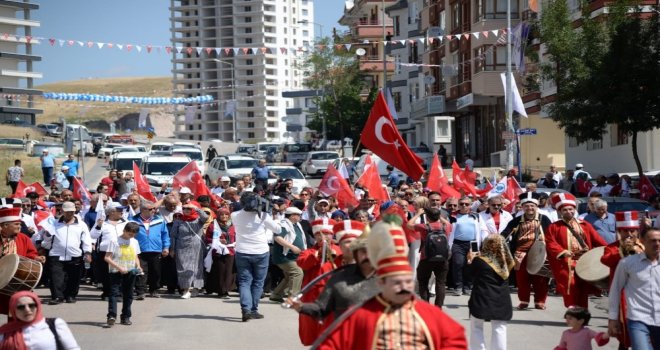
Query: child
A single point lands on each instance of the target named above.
(578, 337)
(124, 265)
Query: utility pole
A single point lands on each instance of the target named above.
(384, 46)
(508, 91)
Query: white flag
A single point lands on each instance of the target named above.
(142, 120)
(100, 211)
(499, 189)
(390, 103)
(518, 104)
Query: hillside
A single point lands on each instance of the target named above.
(73, 111)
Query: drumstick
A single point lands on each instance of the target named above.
(570, 275)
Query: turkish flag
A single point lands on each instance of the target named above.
(438, 181)
(370, 180)
(334, 184)
(513, 190)
(142, 185)
(22, 190)
(39, 216)
(482, 192)
(39, 188)
(646, 188)
(190, 176)
(80, 191)
(381, 136)
(461, 182)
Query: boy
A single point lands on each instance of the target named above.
(124, 265)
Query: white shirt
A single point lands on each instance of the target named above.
(66, 241)
(38, 336)
(557, 177)
(640, 278)
(551, 213)
(251, 231)
(487, 224)
(604, 190)
(108, 233)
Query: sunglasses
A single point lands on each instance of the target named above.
(24, 307)
(149, 209)
(304, 194)
(464, 204)
(496, 205)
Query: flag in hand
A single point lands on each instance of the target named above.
(438, 181)
(22, 189)
(190, 176)
(142, 185)
(646, 188)
(513, 190)
(381, 136)
(370, 181)
(489, 187)
(80, 192)
(334, 184)
(460, 180)
(39, 188)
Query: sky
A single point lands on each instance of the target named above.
(136, 22)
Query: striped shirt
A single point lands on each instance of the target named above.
(400, 328)
(640, 278)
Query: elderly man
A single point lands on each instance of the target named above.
(154, 240)
(261, 173)
(602, 186)
(221, 186)
(548, 181)
(288, 244)
(602, 221)
(464, 230)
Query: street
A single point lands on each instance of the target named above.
(204, 322)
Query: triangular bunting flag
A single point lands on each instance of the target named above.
(338, 46)
(485, 33)
(348, 47)
(149, 47)
(52, 42)
(457, 36)
(422, 41)
(110, 45)
(466, 35)
(283, 50)
(100, 45)
(235, 49)
(138, 48)
(70, 42)
(129, 47)
(189, 50)
(199, 51)
(402, 42)
(476, 35)
(208, 51)
(264, 50)
(245, 50)
(28, 38)
(120, 46)
(81, 44)
(430, 40)
(90, 44)
(168, 49)
(495, 31)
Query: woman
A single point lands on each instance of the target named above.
(188, 248)
(221, 277)
(490, 299)
(28, 329)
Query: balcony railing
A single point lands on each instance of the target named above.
(429, 105)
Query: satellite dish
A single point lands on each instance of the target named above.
(360, 51)
(429, 79)
(434, 31)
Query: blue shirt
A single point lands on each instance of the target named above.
(393, 180)
(465, 228)
(261, 173)
(73, 166)
(47, 161)
(606, 227)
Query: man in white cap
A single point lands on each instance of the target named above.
(61, 181)
(222, 184)
(395, 314)
(289, 243)
(578, 171)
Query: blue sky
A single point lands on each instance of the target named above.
(140, 22)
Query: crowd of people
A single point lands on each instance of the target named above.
(346, 271)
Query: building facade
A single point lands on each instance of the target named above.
(253, 50)
(16, 63)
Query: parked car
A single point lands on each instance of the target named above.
(296, 152)
(615, 204)
(248, 150)
(289, 172)
(124, 161)
(262, 147)
(118, 150)
(184, 144)
(11, 143)
(160, 170)
(106, 150)
(195, 154)
(162, 148)
(234, 166)
(50, 130)
(274, 154)
(317, 162)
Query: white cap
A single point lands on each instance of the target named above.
(185, 190)
(579, 165)
(225, 178)
(68, 206)
(64, 167)
(292, 210)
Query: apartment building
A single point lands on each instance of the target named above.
(16, 63)
(254, 46)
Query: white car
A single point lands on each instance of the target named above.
(161, 148)
(117, 150)
(234, 166)
(192, 153)
(289, 172)
(159, 170)
(106, 150)
(184, 144)
(317, 162)
(124, 161)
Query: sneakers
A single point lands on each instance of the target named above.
(126, 321)
(56, 301)
(154, 294)
(256, 315)
(139, 297)
(111, 321)
(246, 316)
(186, 295)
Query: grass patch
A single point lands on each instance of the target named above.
(31, 165)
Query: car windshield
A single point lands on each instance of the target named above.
(120, 150)
(264, 147)
(325, 156)
(298, 148)
(126, 163)
(161, 147)
(163, 168)
(288, 173)
(241, 163)
(192, 154)
(242, 149)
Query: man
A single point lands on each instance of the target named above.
(578, 171)
(14, 242)
(73, 165)
(546, 208)
(67, 243)
(261, 173)
(211, 153)
(602, 186)
(523, 232)
(104, 233)
(61, 179)
(602, 221)
(620, 187)
(221, 186)
(548, 181)
(170, 205)
(556, 174)
(394, 314)
(438, 266)
(247, 181)
(566, 240)
(14, 175)
(567, 182)
(627, 226)
(638, 276)
(493, 220)
(392, 178)
(47, 166)
(154, 240)
(468, 162)
(252, 252)
(321, 209)
(289, 243)
(133, 205)
(464, 230)
(66, 196)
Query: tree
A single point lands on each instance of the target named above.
(335, 71)
(606, 71)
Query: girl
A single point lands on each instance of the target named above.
(578, 337)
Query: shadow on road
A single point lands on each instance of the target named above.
(203, 317)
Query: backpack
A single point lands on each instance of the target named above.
(51, 324)
(436, 245)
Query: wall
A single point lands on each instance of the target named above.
(547, 145)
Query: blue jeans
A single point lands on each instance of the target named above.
(252, 269)
(642, 336)
(121, 286)
(48, 175)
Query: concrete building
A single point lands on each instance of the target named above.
(303, 108)
(253, 47)
(16, 63)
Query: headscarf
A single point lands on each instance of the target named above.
(495, 252)
(13, 330)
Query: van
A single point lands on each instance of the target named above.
(262, 148)
(75, 132)
(233, 166)
(161, 170)
(124, 161)
(296, 152)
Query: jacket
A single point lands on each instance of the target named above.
(68, 240)
(152, 236)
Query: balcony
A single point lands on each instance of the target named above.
(375, 64)
(427, 106)
(365, 29)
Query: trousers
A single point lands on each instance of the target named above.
(64, 277)
(477, 339)
(538, 283)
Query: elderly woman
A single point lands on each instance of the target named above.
(28, 329)
(221, 277)
(103, 233)
(490, 299)
(188, 248)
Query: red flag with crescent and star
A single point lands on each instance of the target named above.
(333, 184)
(438, 181)
(80, 192)
(461, 182)
(190, 176)
(22, 189)
(646, 188)
(381, 136)
(370, 181)
(39, 188)
(142, 185)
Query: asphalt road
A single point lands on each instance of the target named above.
(207, 322)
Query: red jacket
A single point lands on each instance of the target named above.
(556, 239)
(358, 330)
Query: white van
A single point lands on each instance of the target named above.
(160, 170)
(262, 148)
(382, 167)
(75, 131)
(124, 161)
(195, 154)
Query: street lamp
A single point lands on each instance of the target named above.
(233, 97)
(304, 21)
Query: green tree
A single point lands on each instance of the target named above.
(336, 73)
(606, 71)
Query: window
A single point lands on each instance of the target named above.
(617, 137)
(250, 103)
(488, 59)
(250, 135)
(397, 101)
(247, 8)
(305, 12)
(248, 19)
(250, 114)
(248, 40)
(455, 16)
(493, 9)
(397, 26)
(250, 92)
(594, 144)
(249, 61)
(270, 124)
(248, 30)
(305, 33)
(250, 125)
(270, 113)
(442, 128)
(249, 72)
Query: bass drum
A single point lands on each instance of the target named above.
(590, 269)
(537, 260)
(18, 273)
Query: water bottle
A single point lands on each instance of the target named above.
(87, 265)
